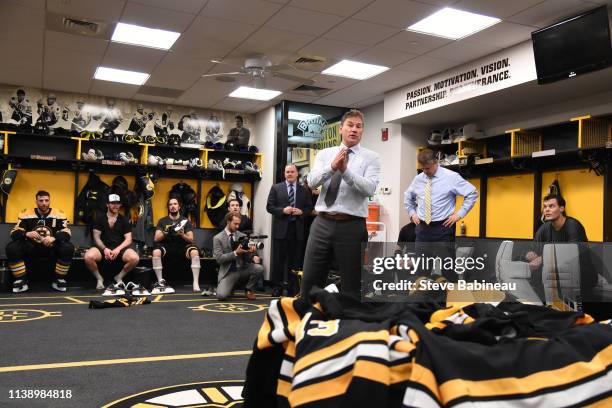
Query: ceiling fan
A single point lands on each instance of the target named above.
(259, 67)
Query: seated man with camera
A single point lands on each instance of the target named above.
(174, 238)
(237, 259)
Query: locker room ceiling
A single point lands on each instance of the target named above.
(37, 54)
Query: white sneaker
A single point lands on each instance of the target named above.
(20, 285)
(59, 285)
(137, 290)
(161, 288)
(118, 289)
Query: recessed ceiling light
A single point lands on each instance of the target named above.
(120, 75)
(254, 93)
(452, 23)
(354, 69)
(301, 115)
(144, 36)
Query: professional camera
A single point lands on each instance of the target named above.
(249, 240)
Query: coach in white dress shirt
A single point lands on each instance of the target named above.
(348, 175)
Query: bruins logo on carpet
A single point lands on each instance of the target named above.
(229, 307)
(218, 394)
(24, 315)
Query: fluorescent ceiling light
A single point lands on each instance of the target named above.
(254, 93)
(301, 115)
(144, 36)
(354, 70)
(452, 23)
(120, 75)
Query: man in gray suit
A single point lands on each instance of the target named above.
(236, 264)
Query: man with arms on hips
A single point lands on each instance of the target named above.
(174, 240)
(41, 232)
(430, 201)
(112, 236)
(236, 264)
(348, 174)
(289, 203)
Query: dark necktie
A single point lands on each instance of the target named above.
(291, 200)
(334, 185)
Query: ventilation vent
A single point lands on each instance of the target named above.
(311, 89)
(157, 91)
(81, 26)
(309, 60)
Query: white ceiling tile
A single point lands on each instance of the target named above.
(303, 21)
(332, 49)
(61, 74)
(392, 79)
(92, 10)
(382, 56)
(463, 51)
(236, 104)
(13, 19)
(187, 6)
(342, 8)
(174, 77)
(77, 43)
(369, 101)
(413, 43)
(442, 3)
(277, 1)
(209, 35)
(35, 4)
(426, 65)
(361, 32)
(206, 92)
(549, 12)
(273, 41)
(156, 99)
(298, 97)
(396, 13)
(132, 58)
(260, 107)
(350, 95)
(154, 17)
(114, 89)
(500, 9)
(189, 60)
(333, 82)
(503, 35)
(277, 84)
(25, 65)
(243, 11)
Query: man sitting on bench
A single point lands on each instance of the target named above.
(112, 236)
(174, 239)
(40, 232)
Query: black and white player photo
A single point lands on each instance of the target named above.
(190, 125)
(140, 120)
(111, 116)
(163, 123)
(239, 135)
(79, 117)
(213, 129)
(49, 111)
(22, 110)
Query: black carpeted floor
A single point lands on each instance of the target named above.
(170, 339)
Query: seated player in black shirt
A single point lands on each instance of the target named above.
(246, 224)
(112, 236)
(557, 227)
(40, 232)
(174, 239)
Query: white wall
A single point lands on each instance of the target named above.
(266, 142)
(398, 164)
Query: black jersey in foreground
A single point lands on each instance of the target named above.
(335, 352)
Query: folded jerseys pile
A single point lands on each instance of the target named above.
(334, 351)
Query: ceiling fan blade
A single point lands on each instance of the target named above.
(295, 78)
(214, 61)
(223, 73)
(281, 67)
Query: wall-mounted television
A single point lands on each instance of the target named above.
(573, 47)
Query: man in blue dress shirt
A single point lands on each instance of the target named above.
(430, 201)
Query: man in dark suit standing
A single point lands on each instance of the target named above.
(289, 203)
